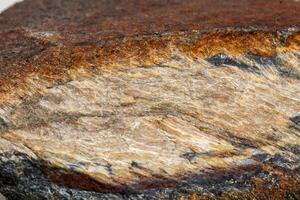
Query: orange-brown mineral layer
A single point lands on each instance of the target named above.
(26, 56)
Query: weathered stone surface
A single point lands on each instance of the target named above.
(150, 100)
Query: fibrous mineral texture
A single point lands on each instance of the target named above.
(150, 99)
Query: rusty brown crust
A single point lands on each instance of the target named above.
(93, 20)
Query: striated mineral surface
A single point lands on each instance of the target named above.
(161, 99)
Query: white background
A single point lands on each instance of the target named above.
(4, 4)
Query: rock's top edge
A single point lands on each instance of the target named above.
(94, 20)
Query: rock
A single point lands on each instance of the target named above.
(150, 100)
(2, 197)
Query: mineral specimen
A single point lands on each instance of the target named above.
(161, 99)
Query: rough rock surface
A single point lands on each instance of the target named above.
(150, 99)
